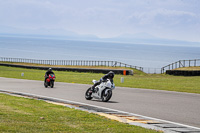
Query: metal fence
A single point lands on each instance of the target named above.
(71, 62)
(181, 63)
(178, 64)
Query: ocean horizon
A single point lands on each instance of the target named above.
(142, 55)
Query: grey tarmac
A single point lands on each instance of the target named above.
(183, 108)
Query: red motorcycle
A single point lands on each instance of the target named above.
(50, 81)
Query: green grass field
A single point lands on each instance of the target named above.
(22, 115)
(139, 80)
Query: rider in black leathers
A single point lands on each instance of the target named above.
(49, 71)
(109, 76)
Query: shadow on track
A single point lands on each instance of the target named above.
(96, 100)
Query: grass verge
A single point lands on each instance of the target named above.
(139, 80)
(197, 68)
(24, 115)
(65, 66)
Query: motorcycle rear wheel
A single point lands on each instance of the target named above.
(45, 85)
(88, 95)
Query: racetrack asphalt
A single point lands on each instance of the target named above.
(177, 107)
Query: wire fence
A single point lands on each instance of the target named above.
(152, 70)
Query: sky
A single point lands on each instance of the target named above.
(170, 19)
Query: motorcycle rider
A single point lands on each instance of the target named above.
(49, 71)
(110, 75)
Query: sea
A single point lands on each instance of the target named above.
(143, 55)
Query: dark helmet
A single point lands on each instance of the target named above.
(111, 74)
(50, 69)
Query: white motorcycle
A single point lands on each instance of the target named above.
(102, 91)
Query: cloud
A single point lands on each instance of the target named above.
(150, 17)
(103, 18)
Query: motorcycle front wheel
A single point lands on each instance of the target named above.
(88, 95)
(51, 84)
(106, 96)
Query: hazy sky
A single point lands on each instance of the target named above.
(173, 19)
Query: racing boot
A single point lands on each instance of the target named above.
(91, 90)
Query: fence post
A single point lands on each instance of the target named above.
(189, 63)
(184, 63)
